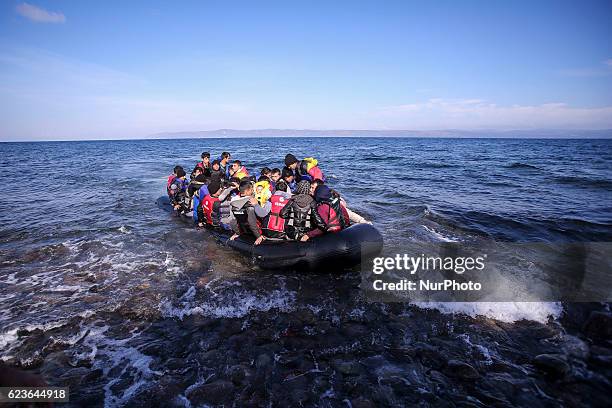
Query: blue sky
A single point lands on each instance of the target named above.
(81, 70)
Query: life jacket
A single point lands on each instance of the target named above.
(169, 183)
(308, 170)
(300, 215)
(262, 192)
(208, 205)
(274, 224)
(336, 219)
(242, 218)
(241, 173)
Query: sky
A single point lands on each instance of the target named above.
(117, 69)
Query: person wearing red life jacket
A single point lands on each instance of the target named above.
(329, 213)
(171, 178)
(268, 214)
(209, 206)
(306, 169)
(204, 165)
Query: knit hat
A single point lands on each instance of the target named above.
(214, 186)
(303, 187)
(322, 193)
(290, 159)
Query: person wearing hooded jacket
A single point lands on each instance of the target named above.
(329, 213)
(306, 169)
(298, 212)
(245, 220)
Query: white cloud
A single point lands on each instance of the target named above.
(39, 15)
(479, 114)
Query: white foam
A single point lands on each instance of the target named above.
(239, 304)
(439, 236)
(502, 311)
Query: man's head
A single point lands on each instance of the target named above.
(287, 175)
(322, 193)
(245, 188)
(236, 165)
(275, 174)
(197, 171)
(205, 157)
(177, 168)
(214, 188)
(180, 173)
(291, 161)
(215, 165)
(266, 172)
(263, 178)
(314, 185)
(225, 156)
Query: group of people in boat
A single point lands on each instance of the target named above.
(292, 203)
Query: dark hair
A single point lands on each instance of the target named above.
(177, 168)
(200, 178)
(213, 187)
(180, 173)
(318, 182)
(238, 162)
(263, 178)
(282, 186)
(244, 186)
(287, 172)
(234, 180)
(216, 161)
(205, 154)
(265, 171)
(275, 171)
(198, 168)
(290, 159)
(225, 155)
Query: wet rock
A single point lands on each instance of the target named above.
(347, 367)
(362, 403)
(216, 392)
(599, 326)
(575, 347)
(263, 361)
(94, 288)
(552, 364)
(460, 369)
(355, 331)
(72, 378)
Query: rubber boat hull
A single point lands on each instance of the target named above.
(344, 249)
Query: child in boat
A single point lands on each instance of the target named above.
(204, 165)
(238, 170)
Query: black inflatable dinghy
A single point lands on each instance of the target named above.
(343, 249)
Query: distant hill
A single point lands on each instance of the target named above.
(450, 133)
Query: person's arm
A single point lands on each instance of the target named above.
(234, 224)
(260, 211)
(226, 192)
(252, 220)
(318, 217)
(287, 209)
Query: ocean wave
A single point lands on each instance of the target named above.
(520, 165)
(503, 311)
(585, 182)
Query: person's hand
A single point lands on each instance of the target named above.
(233, 237)
(200, 224)
(304, 238)
(176, 206)
(260, 240)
